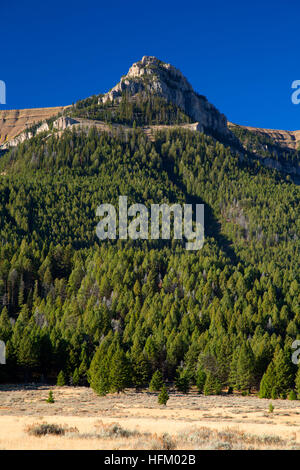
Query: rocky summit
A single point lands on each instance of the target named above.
(151, 75)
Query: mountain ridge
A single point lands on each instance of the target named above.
(147, 76)
(285, 138)
(15, 121)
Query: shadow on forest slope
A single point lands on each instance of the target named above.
(212, 226)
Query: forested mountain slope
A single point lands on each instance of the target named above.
(111, 313)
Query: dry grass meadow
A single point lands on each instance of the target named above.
(79, 419)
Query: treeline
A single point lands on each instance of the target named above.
(116, 315)
(144, 109)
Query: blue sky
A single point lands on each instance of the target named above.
(243, 56)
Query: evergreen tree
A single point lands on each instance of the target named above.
(233, 375)
(5, 325)
(98, 374)
(156, 382)
(275, 392)
(100, 383)
(76, 377)
(119, 374)
(283, 372)
(245, 368)
(182, 381)
(84, 365)
(50, 398)
(292, 395)
(140, 372)
(61, 380)
(268, 382)
(200, 378)
(163, 396)
(212, 385)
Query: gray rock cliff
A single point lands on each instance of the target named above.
(151, 75)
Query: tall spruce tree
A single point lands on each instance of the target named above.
(200, 378)
(182, 381)
(245, 368)
(61, 380)
(120, 373)
(212, 385)
(283, 372)
(156, 382)
(268, 382)
(163, 397)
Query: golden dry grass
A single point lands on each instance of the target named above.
(187, 422)
(15, 121)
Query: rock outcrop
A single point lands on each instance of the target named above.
(16, 121)
(63, 122)
(44, 127)
(285, 139)
(151, 75)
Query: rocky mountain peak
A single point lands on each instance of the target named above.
(150, 65)
(151, 75)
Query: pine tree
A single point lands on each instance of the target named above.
(119, 375)
(83, 368)
(182, 381)
(140, 372)
(163, 397)
(278, 378)
(233, 375)
(21, 292)
(98, 373)
(156, 381)
(224, 356)
(36, 291)
(76, 377)
(200, 378)
(61, 380)
(100, 383)
(267, 382)
(50, 398)
(5, 326)
(137, 288)
(212, 385)
(275, 393)
(283, 372)
(245, 368)
(29, 352)
(292, 395)
(47, 279)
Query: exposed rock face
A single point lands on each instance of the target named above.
(42, 128)
(17, 140)
(284, 142)
(154, 76)
(64, 122)
(14, 122)
(25, 136)
(288, 139)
